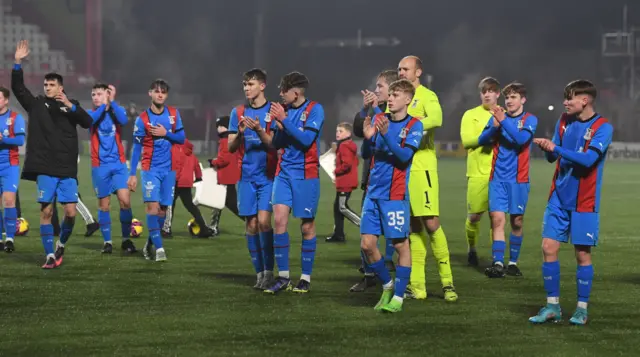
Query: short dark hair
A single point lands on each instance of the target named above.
(489, 84)
(515, 87)
(258, 74)
(404, 86)
(5, 92)
(389, 75)
(159, 84)
(54, 77)
(100, 85)
(578, 87)
(294, 80)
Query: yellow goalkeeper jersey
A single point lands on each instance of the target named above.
(478, 157)
(425, 105)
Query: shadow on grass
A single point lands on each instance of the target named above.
(238, 279)
(461, 259)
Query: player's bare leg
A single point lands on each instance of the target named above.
(584, 279)
(266, 245)
(551, 278)
(514, 245)
(497, 269)
(472, 232)
(369, 246)
(126, 216)
(281, 249)
(70, 212)
(308, 229)
(10, 219)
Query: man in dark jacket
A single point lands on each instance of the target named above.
(52, 151)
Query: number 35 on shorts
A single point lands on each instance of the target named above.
(395, 218)
(397, 225)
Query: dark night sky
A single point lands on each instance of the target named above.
(204, 47)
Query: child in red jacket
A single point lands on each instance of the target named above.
(346, 181)
(187, 166)
(228, 166)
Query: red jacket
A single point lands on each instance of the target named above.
(189, 167)
(228, 164)
(346, 166)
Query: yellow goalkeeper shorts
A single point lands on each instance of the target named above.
(423, 193)
(477, 194)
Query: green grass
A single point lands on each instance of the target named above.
(200, 303)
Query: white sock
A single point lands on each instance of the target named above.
(60, 244)
(51, 256)
(260, 275)
(582, 305)
(398, 298)
(553, 300)
(160, 250)
(284, 274)
(9, 239)
(513, 263)
(305, 277)
(388, 286)
(108, 242)
(500, 264)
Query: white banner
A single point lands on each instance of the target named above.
(619, 151)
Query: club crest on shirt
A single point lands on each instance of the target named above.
(8, 121)
(588, 134)
(267, 118)
(172, 119)
(520, 123)
(403, 133)
(5, 132)
(303, 117)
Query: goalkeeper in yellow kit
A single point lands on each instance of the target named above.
(423, 189)
(478, 161)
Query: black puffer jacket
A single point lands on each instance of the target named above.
(52, 136)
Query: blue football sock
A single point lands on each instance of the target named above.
(126, 216)
(308, 255)
(365, 264)
(253, 244)
(161, 220)
(281, 253)
(266, 243)
(498, 251)
(104, 219)
(584, 279)
(551, 278)
(381, 271)
(153, 222)
(66, 229)
(514, 248)
(402, 280)
(389, 249)
(10, 220)
(46, 233)
(1, 224)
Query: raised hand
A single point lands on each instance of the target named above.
(545, 144)
(62, 98)
(158, 130)
(498, 114)
(277, 111)
(368, 129)
(252, 124)
(382, 124)
(112, 93)
(22, 51)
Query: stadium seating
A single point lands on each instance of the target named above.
(42, 59)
